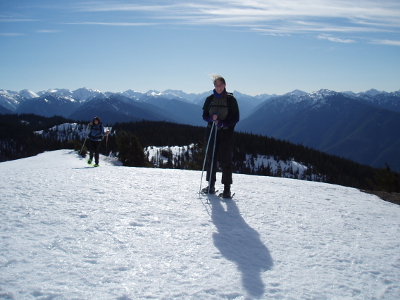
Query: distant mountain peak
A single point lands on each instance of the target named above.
(296, 93)
(28, 94)
(80, 95)
(85, 94)
(153, 93)
(324, 92)
(372, 92)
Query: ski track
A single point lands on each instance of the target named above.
(69, 231)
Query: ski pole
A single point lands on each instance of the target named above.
(83, 145)
(107, 144)
(205, 156)
(107, 133)
(87, 131)
(212, 161)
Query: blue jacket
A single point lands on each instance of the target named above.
(96, 132)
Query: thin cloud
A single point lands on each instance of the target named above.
(265, 17)
(354, 13)
(113, 23)
(302, 27)
(122, 7)
(10, 34)
(386, 42)
(17, 20)
(335, 39)
(47, 31)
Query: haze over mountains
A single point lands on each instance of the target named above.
(363, 127)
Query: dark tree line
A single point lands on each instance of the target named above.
(17, 140)
(335, 169)
(17, 137)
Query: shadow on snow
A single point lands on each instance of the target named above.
(241, 244)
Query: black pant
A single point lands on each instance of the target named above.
(222, 155)
(95, 149)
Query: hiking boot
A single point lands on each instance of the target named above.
(205, 190)
(96, 165)
(227, 191)
(226, 194)
(89, 161)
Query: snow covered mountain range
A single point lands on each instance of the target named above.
(362, 127)
(26, 101)
(47, 103)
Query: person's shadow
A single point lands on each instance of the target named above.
(240, 243)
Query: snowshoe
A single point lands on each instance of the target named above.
(205, 190)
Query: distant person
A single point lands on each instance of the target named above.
(221, 108)
(95, 130)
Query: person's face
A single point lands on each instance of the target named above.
(96, 121)
(219, 86)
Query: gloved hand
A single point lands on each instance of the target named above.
(219, 123)
(213, 117)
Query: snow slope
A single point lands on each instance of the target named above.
(69, 231)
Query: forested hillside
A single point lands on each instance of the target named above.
(336, 170)
(18, 140)
(17, 137)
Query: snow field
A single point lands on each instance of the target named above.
(70, 231)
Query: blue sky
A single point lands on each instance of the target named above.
(259, 47)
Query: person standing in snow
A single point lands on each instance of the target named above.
(221, 108)
(95, 130)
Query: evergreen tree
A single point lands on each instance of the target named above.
(130, 152)
(387, 180)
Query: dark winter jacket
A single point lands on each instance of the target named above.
(225, 106)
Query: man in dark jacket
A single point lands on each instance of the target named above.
(222, 109)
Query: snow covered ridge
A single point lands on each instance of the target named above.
(67, 131)
(70, 231)
(175, 156)
(81, 94)
(323, 97)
